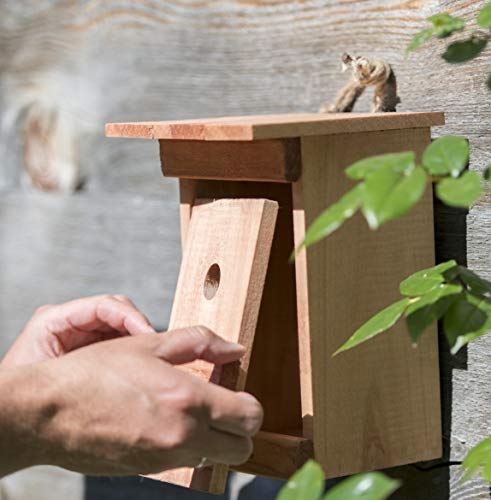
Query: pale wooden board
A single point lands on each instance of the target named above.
(247, 128)
(236, 235)
(300, 225)
(176, 60)
(277, 322)
(377, 405)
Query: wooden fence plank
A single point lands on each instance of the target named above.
(195, 59)
(56, 248)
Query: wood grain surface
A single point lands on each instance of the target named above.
(277, 455)
(220, 286)
(88, 63)
(277, 322)
(249, 128)
(377, 405)
(269, 160)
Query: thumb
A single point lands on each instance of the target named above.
(197, 342)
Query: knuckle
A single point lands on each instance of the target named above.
(42, 309)
(181, 435)
(120, 296)
(105, 303)
(202, 337)
(105, 297)
(187, 399)
(203, 333)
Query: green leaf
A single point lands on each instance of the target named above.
(306, 484)
(487, 173)
(444, 24)
(419, 39)
(484, 17)
(382, 321)
(390, 194)
(399, 162)
(479, 456)
(461, 192)
(426, 280)
(429, 308)
(475, 284)
(333, 217)
(446, 155)
(464, 50)
(488, 82)
(368, 486)
(467, 318)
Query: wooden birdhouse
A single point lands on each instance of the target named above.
(249, 187)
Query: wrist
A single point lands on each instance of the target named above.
(27, 407)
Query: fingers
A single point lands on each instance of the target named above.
(122, 315)
(103, 313)
(197, 342)
(82, 322)
(238, 413)
(124, 299)
(232, 418)
(220, 447)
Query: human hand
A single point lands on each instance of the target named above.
(121, 407)
(55, 330)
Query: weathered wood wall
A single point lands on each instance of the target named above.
(68, 66)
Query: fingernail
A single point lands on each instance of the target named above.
(238, 347)
(248, 398)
